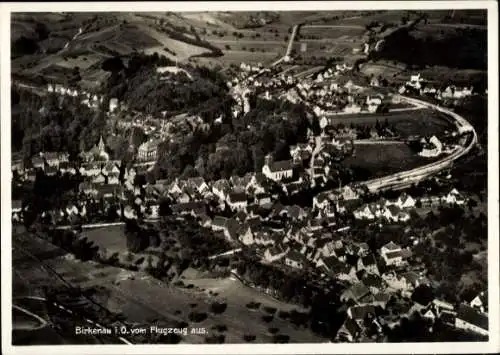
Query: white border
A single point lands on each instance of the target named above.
(493, 216)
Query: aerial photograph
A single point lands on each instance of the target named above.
(260, 177)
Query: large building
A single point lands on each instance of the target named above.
(148, 150)
(277, 170)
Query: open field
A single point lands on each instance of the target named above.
(145, 300)
(380, 160)
(416, 122)
(112, 237)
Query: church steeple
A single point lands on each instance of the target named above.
(101, 146)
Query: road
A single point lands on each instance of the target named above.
(93, 225)
(377, 142)
(356, 27)
(317, 148)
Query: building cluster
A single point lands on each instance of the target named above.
(399, 210)
(338, 96)
(431, 147)
(424, 88)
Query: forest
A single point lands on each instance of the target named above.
(238, 145)
(53, 123)
(463, 49)
(142, 89)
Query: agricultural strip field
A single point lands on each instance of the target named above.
(421, 122)
(144, 300)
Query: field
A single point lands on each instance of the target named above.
(372, 160)
(111, 237)
(420, 122)
(143, 300)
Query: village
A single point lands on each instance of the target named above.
(264, 212)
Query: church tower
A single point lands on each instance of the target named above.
(101, 146)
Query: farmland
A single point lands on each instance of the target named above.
(371, 160)
(144, 300)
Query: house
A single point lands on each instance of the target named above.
(91, 169)
(275, 253)
(328, 263)
(405, 282)
(453, 197)
(278, 170)
(148, 151)
(246, 235)
(405, 201)
(480, 302)
(51, 158)
(233, 229)
(355, 293)
(219, 223)
(88, 188)
(175, 188)
(381, 299)
(110, 167)
(221, 189)
(389, 248)
(113, 104)
(237, 200)
(471, 319)
(321, 201)
(240, 183)
(374, 282)
(295, 259)
(113, 178)
(442, 306)
(17, 208)
(262, 199)
(99, 179)
(37, 162)
(199, 184)
(330, 247)
(349, 331)
(369, 264)
(346, 273)
(361, 313)
(51, 170)
(393, 258)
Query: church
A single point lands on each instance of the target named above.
(98, 152)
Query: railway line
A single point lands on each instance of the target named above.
(406, 178)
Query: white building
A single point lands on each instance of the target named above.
(278, 170)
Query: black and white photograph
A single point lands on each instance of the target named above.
(208, 176)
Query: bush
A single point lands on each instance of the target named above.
(270, 310)
(197, 317)
(267, 318)
(273, 330)
(284, 314)
(218, 307)
(220, 327)
(215, 339)
(253, 305)
(249, 337)
(281, 339)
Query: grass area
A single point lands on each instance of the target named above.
(379, 160)
(112, 237)
(417, 122)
